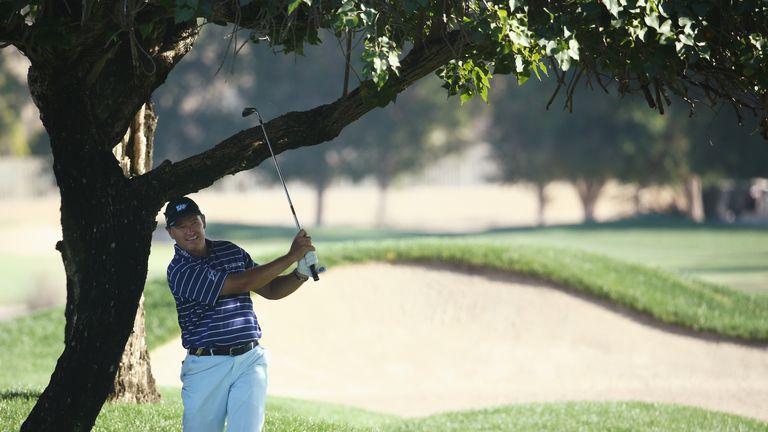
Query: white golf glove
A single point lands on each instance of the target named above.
(309, 259)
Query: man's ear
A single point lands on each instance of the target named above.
(202, 216)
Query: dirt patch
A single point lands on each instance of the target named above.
(413, 341)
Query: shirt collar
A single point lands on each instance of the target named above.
(181, 253)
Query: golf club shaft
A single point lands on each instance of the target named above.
(312, 268)
(279, 172)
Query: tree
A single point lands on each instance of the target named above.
(718, 148)
(95, 63)
(605, 138)
(407, 136)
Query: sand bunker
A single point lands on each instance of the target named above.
(414, 340)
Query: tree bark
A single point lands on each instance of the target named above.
(107, 229)
(88, 97)
(589, 192)
(134, 381)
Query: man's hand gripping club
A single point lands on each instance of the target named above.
(307, 265)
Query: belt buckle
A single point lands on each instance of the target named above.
(199, 351)
(232, 351)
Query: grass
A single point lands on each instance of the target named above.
(734, 256)
(35, 342)
(289, 415)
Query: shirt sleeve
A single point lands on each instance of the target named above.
(196, 281)
(248, 263)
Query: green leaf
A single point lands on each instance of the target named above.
(573, 49)
(666, 28)
(613, 7)
(293, 5)
(653, 21)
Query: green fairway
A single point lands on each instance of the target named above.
(735, 257)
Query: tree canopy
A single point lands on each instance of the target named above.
(703, 50)
(96, 63)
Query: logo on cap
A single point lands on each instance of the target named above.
(181, 207)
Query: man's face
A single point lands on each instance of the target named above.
(189, 234)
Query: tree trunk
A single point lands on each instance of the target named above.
(589, 192)
(107, 226)
(383, 179)
(694, 200)
(134, 381)
(637, 200)
(381, 208)
(107, 236)
(541, 195)
(321, 185)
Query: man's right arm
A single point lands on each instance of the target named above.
(256, 277)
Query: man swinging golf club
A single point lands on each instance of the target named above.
(224, 373)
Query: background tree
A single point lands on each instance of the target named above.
(523, 141)
(419, 129)
(94, 64)
(604, 138)
(719, 149)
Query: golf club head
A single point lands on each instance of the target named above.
(249, 110)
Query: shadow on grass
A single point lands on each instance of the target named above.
(13, 394)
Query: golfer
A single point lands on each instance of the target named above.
(224, 373)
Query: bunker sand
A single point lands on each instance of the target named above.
(414, 340)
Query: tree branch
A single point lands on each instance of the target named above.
(246, 149)
(13, 32)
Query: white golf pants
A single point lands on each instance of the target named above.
(215, 388)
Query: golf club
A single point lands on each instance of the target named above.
(251, 110)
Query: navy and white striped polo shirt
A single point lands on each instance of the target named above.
(208, 320)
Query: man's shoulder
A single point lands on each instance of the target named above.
(224, 246)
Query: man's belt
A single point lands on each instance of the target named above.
(228, 351)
